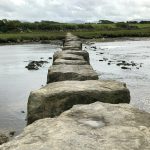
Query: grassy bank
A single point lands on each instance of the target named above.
(113, 34)
(31, 37)
(97, 31)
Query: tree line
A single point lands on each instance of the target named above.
(7, 26)
(18, 26)
(129, 22)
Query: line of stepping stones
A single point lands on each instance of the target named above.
(71, 80)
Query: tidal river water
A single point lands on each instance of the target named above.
(16, 81)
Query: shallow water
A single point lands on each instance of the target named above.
(137, 77)
(16, 81)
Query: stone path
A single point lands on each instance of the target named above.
(103, 125)
(72, 80)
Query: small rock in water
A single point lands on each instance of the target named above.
(50, 58)
(3, 138)
(105, 59)
(94, 47)
(34, 65)
(110, 61)
(125, 67)
(12, 133)
(22, 111)
(132, 64)
(101, 60)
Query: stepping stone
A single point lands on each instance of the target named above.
(77, 44)
(71, 37)
(57, 97)
(64, 54)
(70, 62)
(68, 56)
(71, 48)
(71, 72)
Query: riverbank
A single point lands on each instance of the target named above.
(31, 38)
(47, 36)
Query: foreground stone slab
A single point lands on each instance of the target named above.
(70, 62)
(98, 126)
(61, 54)
(71, 72)
(55, 98)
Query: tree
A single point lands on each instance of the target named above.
(105, 22)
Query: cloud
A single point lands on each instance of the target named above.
(68, 10)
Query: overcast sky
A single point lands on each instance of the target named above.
(68, 10)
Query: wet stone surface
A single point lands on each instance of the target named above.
(93, 122)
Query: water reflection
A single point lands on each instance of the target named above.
(137, 78)
(16, 81)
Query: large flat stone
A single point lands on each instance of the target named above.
(70, 62)
(71, 37)
(71, 72)
(76, 44)
(98, 126)
(67, 56)
(71, 48)
(61, 54)
(55, 98)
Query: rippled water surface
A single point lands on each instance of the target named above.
(16, 81)
(137, 77)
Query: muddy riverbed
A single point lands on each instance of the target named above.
(16, 81)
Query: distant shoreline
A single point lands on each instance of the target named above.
(60, 42)
(52, 42)
(119, 39)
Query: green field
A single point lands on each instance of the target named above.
(84, 31)
(33, 36)
(113, 34)
(113, 26)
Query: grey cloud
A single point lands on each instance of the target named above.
(67, 10)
